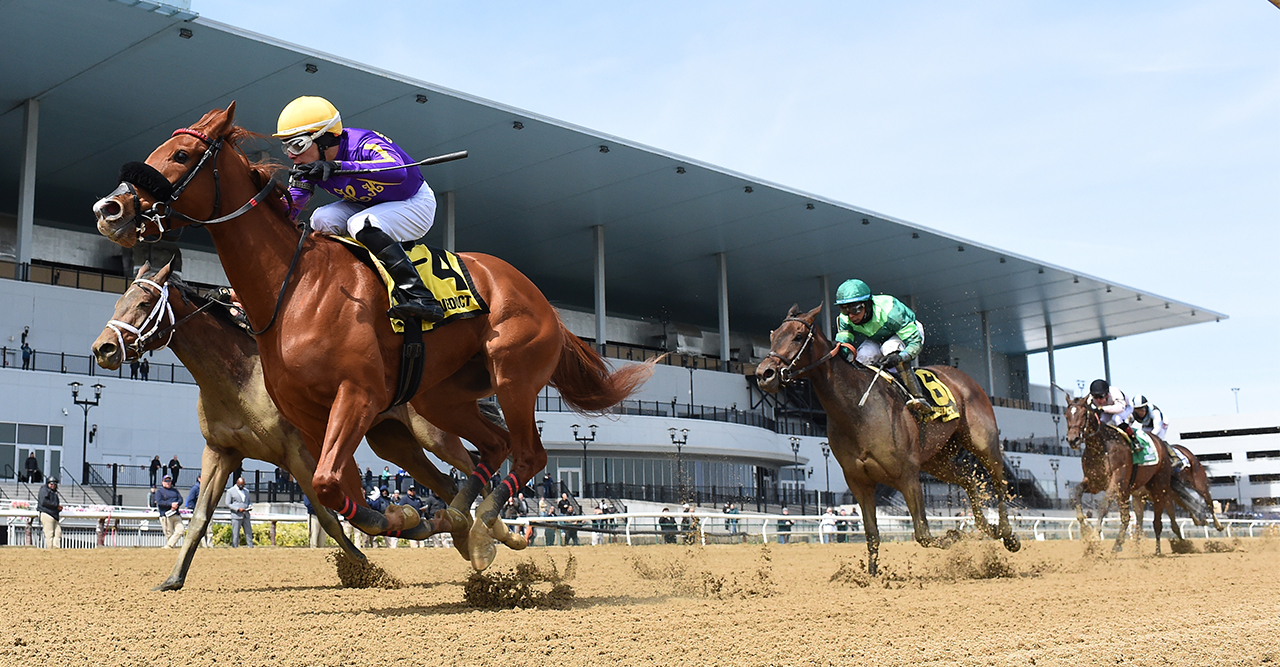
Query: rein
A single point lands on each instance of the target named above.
(788, 373)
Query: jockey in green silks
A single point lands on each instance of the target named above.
(884, 331)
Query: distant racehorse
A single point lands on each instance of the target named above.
(1190, 492)
(330, 358)
(236, 416)
(1108, 466)
(881, 442)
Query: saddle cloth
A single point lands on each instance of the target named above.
(1144, 449)
(939, 395)
(443, 272)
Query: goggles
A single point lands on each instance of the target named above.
(298, 144)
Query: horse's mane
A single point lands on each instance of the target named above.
(260, 171)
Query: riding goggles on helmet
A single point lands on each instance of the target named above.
(298, 144)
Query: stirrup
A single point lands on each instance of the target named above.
(419, 309)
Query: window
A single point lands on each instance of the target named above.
(1222, 480)
(1268, 454)
(1263, 479)
(1225, 456)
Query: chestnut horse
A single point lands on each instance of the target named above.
(1190, 488)
(1108, 466)
(330, 358)
(236, 416)
(881, 442)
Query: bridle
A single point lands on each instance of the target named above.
(788, 373)
(1091, 428)
(153, 325)
(166, 194)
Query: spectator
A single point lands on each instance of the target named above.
(667, 524)
(238, 502)
(384, 478)
(431, 504)
(548, 487)
(168, 501)
(145, 369)
(597, 537)
(689, 525)
(32, 468)
(565, 508)
(155, 470)
(546, 509)
(26, 356)
(315, 532)
(827, 525)
(193, 495)
(511, 510)
(368, 478)
(731, 525)
(50, 508)
(174, 468)
(784, 527)
(133, 369)
(151, 497)
(412, 499)
(523, 510)
(25, 332)
(400, 477)
(842, 527)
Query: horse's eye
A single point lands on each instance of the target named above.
(181, 157)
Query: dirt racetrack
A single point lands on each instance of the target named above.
(1054, 603)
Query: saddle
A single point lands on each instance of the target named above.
(1142, 446)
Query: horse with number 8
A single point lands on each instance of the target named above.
(329, 355)
(876, 440)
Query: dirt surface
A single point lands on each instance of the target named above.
(1054, 603)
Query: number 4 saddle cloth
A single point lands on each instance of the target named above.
(937, 394)
(443, 272)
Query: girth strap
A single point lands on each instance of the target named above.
(411, 364)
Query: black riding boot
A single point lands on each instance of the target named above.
(416, 301)
(917, 403)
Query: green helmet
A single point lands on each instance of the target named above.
(852, 291)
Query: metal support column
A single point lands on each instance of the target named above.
(1106, 362)
(1053, 370)
(27, 181)
(824, 284)
(722, 298)
(986, 354)
(598, 234)
(450, 223)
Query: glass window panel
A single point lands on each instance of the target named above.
(55, 436)
(55, 462)
(8, 461)
(8, 432)
(33, 434)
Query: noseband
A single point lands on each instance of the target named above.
(135, 175)
(788, 373)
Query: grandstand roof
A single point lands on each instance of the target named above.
(114, 79)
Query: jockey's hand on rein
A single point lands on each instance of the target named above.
(889, 360)
(316, 172)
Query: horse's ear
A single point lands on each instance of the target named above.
(142, 270)
(218, 122)
(163, 274)
(811, 315)
(795, 310)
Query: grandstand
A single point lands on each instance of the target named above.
(644, 252)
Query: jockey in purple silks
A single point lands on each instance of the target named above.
(379, 210)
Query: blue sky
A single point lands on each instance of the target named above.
(1134, 141)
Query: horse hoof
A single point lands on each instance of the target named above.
(1116, 548)
(411, 517)
(169, 585)
(514, 541)
(483, 550)
(459, 528)
(1011, 543)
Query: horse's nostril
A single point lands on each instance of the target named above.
(109, 208)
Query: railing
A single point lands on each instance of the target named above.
(82, 364)
(627, 352)
(1019, 404)
(262, 484)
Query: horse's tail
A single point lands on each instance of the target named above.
(585, 381)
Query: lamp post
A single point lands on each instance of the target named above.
(584, 439)
(826, 459)
(796, 474)
(1015, 462)
(1053, 463)
(1057, 439)
(540, 423)
(86, 404)
(679, 441)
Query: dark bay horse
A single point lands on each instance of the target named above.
(1190, 488)
(1108, 466)
(881, 442)
(330, 358)
(236, 415)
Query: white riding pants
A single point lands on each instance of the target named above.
(407, 220)
(870, 351)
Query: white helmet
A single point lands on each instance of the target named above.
(1141, 402)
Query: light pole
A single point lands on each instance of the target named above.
(1053, 463)
(679, 441)
(1057, 440)
(796, 473)
(585, 440)
(87, 405)
(1015, 462)
(826, 459)
(1236, 391)
(540, 423)
(1239, 493)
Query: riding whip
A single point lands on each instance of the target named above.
(868, 391)
(439, 159)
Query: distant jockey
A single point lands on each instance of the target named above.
(1112, 406)
(1149, 418)
(378, 209)
(884, 331)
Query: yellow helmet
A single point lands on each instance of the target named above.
(308, 115)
